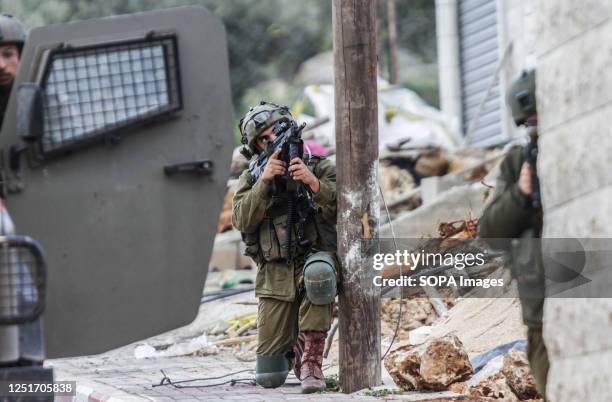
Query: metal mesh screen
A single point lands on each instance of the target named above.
(21, 283)
(94, 91)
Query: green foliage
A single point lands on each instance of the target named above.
(267, 39)
(426, 90)
(332, 383)
(382, 393)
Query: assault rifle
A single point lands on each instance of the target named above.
(531, 157)
(285, 132)
(300, 205)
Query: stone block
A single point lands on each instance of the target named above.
(571, 80)
(456, 203)
(581, 378)
(575, 327)
(574, 158)
(589, 216)
(560, 21)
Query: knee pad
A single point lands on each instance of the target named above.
(320, 278)
(271, 371)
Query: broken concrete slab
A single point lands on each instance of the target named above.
(453, 204)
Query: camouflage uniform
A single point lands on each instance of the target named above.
(510, 215)
(283, 308)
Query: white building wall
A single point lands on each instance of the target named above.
(516, 22)
(574, 90)
(449, 79)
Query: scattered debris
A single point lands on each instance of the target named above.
(432, 163)
(236, 340)
(462, 229)
(394, 181)
(240, 325)
(433, 365)
(199, 345)
(494, 387)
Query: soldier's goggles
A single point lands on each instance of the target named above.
(261, 118)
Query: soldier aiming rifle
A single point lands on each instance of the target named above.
(285, 208)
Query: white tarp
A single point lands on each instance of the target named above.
(402, 115)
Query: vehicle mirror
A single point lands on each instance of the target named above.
(22, 280)
(29, 112)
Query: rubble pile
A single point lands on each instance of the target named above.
(395, 182)
(432, 163)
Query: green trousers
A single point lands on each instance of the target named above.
(278, 322)
(281, 318)
(538, 358)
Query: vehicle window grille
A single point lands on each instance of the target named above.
(22, 283)
(98, 90)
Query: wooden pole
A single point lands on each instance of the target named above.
(392, 21)
(356, 107)
(380, 27)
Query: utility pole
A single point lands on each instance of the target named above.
(392, 21)
(356, 114)
(380, 27)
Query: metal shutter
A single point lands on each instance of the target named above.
(479, 56)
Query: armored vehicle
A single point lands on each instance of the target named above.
(114, 155)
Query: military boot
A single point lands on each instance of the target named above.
(311, 371)
(298, 352)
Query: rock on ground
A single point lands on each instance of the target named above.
(494, 387)
(416, 312)
(518, 375)
(434, 365)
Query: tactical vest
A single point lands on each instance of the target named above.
(268, 242)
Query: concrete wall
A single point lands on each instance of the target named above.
(574, 84)
(516, 25)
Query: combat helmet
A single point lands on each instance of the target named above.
(521, 97)
(258, 119)
(12, 31)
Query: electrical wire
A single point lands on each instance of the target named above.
(222, 294)
(177, 384)
(165, 381)
(399, 313)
